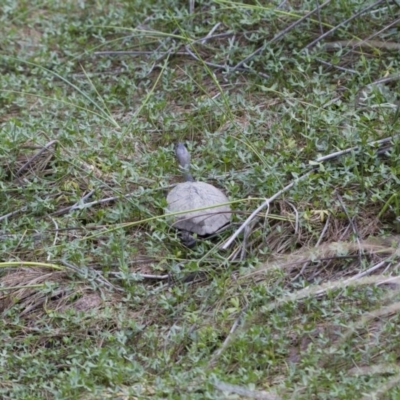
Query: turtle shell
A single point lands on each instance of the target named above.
(191, 196)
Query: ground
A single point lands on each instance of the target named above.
(291, 108)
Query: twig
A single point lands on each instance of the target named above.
(380, 81)
(135, 53)
(55, 236)
(349, 150)
(191, 6)
(163, 56)
(216, 26)
(277, 37)
(244, 392)
(367, 42)
(337, 66)
(368, 271)
(262, 206)
(321, 236)
(319, 38)
(360, 43)
(220, 66)
(371, 44)
(97, 274)
(353, 227)
(393, 280)
(42, 150)
(209, 37)
(143, 276)
(188, 52)
(246, 235)
(321, 29)
(290, 185)
(297, 222)
(202, 40)
(383, 389)
(12, 213)
(75, 206)
(78, 206)
(228, 338)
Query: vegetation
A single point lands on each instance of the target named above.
(288, 100)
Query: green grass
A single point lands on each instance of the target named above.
(102, 300)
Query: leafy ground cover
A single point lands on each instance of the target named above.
(296, 102)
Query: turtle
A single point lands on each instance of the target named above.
(195, 195)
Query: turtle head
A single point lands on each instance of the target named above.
(183, 157)
(187, 239)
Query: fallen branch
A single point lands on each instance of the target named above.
(319, 160)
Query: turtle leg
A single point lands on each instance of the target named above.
(187, 239)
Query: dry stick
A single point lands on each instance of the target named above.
(386, 79)
(162, 57)
(5, 216)
(190, 52)
(368, 271)
(220, 66)
(76, 206)
(163, 53)
(390, 265)
(341, 24)
(98, 275)
(321, 29)
(210, 33)
(277, 37)
(394, 279)
(187, 52)
(35, 156)
(136, 53)
(321, 236)
(349, 150)
(302, 177)
(297, 222)
(245, 392)
(367, 41)
(332, 30)
(246, 235)
(55, 237)
(382, 389)
(143, 276)
(263, 205)
(217, 36)
(228, 338)
(355, 231)
(191, 6)
(328, 64)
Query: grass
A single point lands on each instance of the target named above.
(99, 298)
